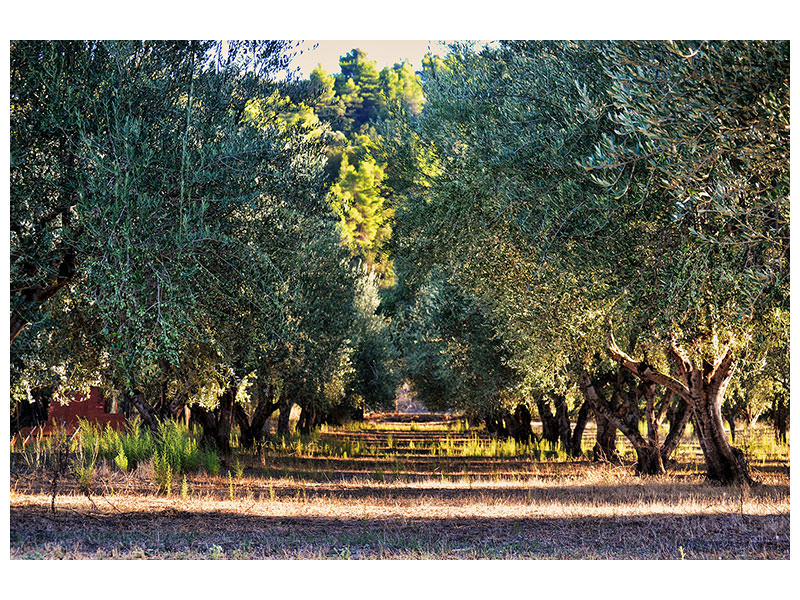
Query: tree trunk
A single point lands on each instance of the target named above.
(648, 455)
(255, 430)
(724, 463)
(283, 416)
(731, 419)
(703, 388)
(577, 433)
(503, 420)
(648, 460)
(780, 418)
(549, 423)
(605, 445)
(677, 425)
(562, 420)
(225, 411)
(496, 423)
(243, 421)
(522, 431)
(207, 422)
(307, 420)
(144, 409)
(491, 424)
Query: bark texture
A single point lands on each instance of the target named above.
(605, 446)
(146, 412)
(703, 388)
(619, 405)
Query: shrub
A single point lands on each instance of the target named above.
(179, 446)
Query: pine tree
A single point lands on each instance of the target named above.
(327, 104)
(402, 85)
(355, 66)
(364, 218)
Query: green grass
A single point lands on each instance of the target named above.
(324, 443)
(175, 451)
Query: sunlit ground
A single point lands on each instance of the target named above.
(407, 505)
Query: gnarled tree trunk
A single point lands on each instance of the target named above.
(521, 424)
(577, 432)
(308, 418)
(780, 413)
(217, 424)
(703, 389)
(496, 423)
(558, 429)
(624, 414)
(144, 409)
(680, 418)
(549, 423)
(605, 446)
(252, 434)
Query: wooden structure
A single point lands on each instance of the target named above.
(93, 408)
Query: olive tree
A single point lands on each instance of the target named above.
(653, 176)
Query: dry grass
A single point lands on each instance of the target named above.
(407, 506)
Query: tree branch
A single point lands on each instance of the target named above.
(644, 371)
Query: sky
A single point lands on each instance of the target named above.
(384, 52)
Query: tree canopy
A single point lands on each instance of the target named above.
(597, 227)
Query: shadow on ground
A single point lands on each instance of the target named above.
(171, 533)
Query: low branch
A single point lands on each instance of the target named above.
(645, 372)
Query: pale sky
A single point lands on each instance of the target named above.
(384, 52)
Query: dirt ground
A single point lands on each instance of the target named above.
(405, 504)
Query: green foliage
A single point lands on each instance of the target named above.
(579, 184)
(163, 472)
(452, 353)
(210, 461)
(174, 452)
(194, 196)
(121, 460)
(356, 196)
(353, 103)
(83, 466)
(186, 230)
(720, 168)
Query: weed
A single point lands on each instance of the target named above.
(210, 461)
(397, 470)
(162, 472)
(59, 445)
(121, 460)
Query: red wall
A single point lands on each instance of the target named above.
(80, 407)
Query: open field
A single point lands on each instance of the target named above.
(419, 490)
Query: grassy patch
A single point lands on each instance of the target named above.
(347, 493)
